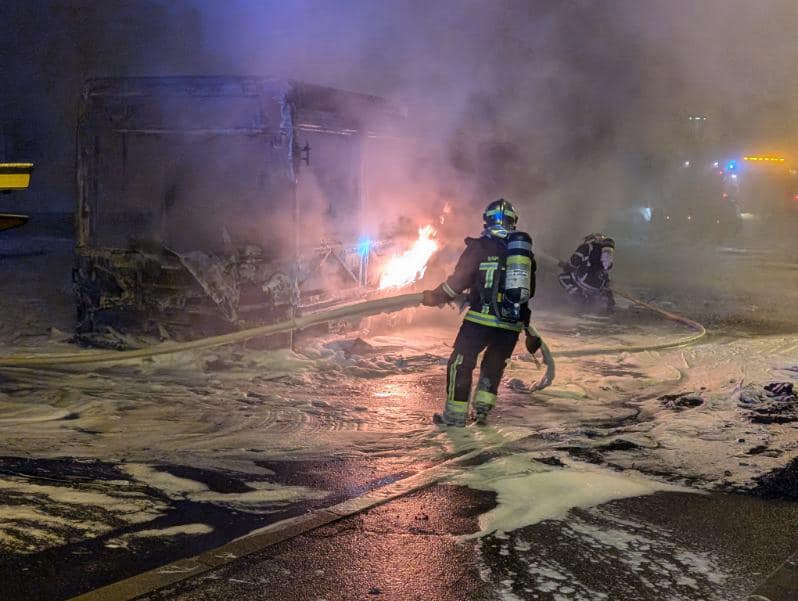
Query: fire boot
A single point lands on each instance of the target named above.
(454, 414)
(483, 403)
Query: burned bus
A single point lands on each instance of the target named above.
(207, 204)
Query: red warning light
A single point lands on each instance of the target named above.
(726, 195)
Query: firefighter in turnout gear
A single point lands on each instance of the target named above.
(585, 277)
(498, 270)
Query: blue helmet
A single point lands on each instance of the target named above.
(500, 218)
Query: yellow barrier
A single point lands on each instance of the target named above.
(15, 176)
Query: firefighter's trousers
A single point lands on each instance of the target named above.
(585, 297)
(471, 340)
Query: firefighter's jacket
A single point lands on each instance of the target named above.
(586, 270)
(475, 271)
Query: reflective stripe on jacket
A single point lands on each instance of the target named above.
(476, 271)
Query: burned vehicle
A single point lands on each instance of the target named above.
(207, 204)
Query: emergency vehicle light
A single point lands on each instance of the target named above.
(769, 159)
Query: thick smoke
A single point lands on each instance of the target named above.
(567, 107)
(523, 100)
(580, 94)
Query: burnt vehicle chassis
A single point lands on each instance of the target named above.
(207, 204)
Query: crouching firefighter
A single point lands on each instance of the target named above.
(498, 270)
(585, 277)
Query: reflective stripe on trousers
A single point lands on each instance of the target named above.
(472, 339)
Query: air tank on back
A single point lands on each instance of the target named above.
(517, 275)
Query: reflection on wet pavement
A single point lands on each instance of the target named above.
(289, 431)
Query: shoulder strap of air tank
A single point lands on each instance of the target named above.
(498, 280)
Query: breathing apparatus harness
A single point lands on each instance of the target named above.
(511, 284)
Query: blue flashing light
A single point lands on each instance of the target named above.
(731, 166)
(363, 247)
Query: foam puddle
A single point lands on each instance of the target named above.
(526, 565)
(603, 555)
(262, 498)
(38, 516)
(528, 492)
(123, 541)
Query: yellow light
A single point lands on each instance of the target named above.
(765, 158)
(15, 176)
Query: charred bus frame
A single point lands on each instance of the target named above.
(211, 203)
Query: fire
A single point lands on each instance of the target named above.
(408, 267)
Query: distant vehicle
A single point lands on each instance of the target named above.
(207, 204)
(767, 191)
(686, 200)
(697, 204)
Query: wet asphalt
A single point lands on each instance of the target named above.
(697, 546)
(64, 571)
(665, 546)
(406, 549)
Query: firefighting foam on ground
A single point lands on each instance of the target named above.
(400, 301)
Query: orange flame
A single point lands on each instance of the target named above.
(408, 267)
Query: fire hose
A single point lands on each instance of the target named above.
(372, 307)
(363, 309)
(548, 356)
(694, 325)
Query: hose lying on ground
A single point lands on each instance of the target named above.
(700, 330)
(548, 359)
(372, 307)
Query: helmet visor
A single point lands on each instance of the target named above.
(503, 217)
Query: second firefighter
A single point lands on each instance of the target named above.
(585, 277)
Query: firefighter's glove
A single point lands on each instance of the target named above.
(533, 343)
(434, 298)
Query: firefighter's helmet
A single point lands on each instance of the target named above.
(601, 240)
(500, 218)
(603, 252)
